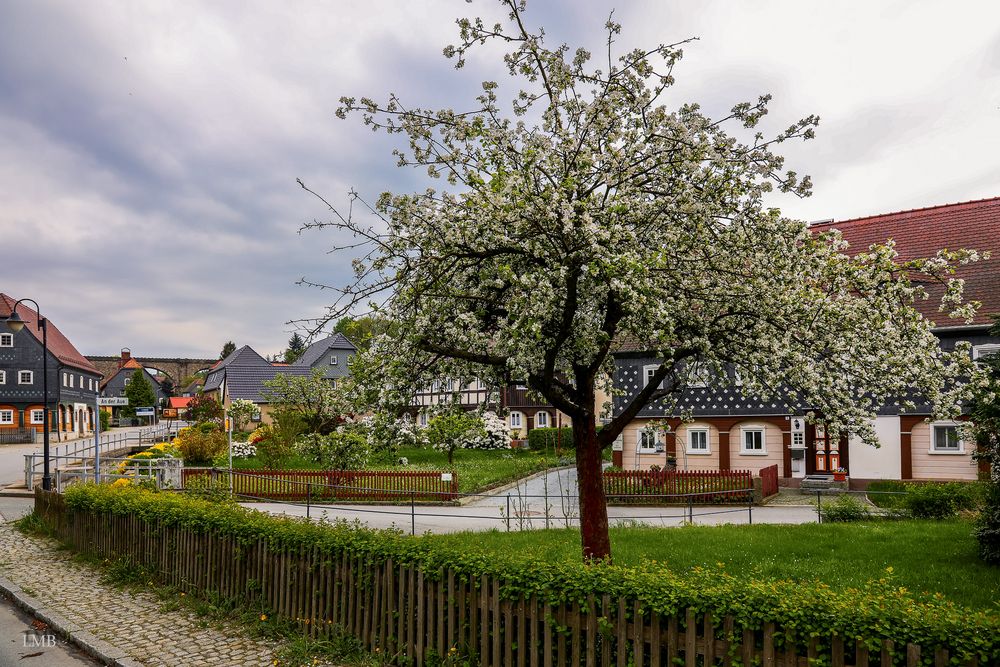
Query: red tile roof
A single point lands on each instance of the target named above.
(59, 345)
(922, 232)
(179, 402)
(131, 363)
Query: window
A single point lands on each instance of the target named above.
(6, 340)
(753, 441)
(542, 419)
(422, 420)
(121, 393)
(38, 416)
(6, 416)
(128, 381)
(65, 379)
(646, 441)
(255, 417)
(699, 375)
(647, 375)
(25, 377)
(982, 351)
(698, 441)
(798, 440)
(515, 420)
(72, 379)
(333, 383)
(945, 439)
(333, 360)
(3, 377)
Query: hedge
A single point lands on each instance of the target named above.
(541, 439)
(881, 610)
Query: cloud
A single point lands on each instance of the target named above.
(148, 152)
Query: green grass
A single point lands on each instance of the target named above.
(926, 556)
(476, 469)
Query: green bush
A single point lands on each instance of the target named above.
(844, 509)
(214, 488)
(941, 501)
(878, 611)
(988, 527)
(199, 447)
(548, 439)
(105, 418)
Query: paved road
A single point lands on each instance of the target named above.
(26, 645)
(437, 519)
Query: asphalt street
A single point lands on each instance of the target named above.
(26, 642)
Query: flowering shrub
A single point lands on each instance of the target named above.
(494, 433)
(158, 451)
(336, 451)
(385, 434)
(244, 450)
(262, 432)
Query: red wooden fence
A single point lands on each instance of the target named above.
(769, 480)
(318, 485)
(681, 486)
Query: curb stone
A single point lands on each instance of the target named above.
(99, 649)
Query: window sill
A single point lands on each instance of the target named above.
(935, 452)
(647, 452)
(753, 453)
(699, 452)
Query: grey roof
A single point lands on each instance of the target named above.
(245, 356)
(247, 382)
(314, 352)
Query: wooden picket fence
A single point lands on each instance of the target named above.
(708, 487)
(769, 480)
(320, 485)
(410, 616)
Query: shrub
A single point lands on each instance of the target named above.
(543, 439)
(199, 447)
(203, 408)
(988, 527)
(844, 509)
(941, 501)
(494, 433)
(105, 420)
(336, 451)
(209, 487)
(451, 430)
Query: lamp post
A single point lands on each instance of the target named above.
(15, 324)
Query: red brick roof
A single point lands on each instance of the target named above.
(59, 345)
(922, 232)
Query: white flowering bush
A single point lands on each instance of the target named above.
(385, 434)
(494, 433)
(244, 450)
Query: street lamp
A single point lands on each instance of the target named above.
(15, 324)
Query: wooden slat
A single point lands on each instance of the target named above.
(621, 648)
(768, 645)
(912, 655)
(709, 639)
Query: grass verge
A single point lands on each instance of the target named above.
(926, 557)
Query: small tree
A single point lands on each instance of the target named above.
(296, 346)
(452, 430)
(139, 393)
(204, 408)
(241, 411)
(227, 349)
(312, 397)
(167, 386)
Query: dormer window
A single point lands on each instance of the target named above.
(333, 360)
(25, 377)
(647, 374)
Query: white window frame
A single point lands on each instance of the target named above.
(647, 372)
(699, 375)
(65, 379)
(6, 340)
(333, 360)
(516, 423)
(422, 418)
(646, 441)
(744, 450)
(934, 449)
(72, 380)
(7, 417)
(128, 381)
(691, 449)
(538, 423)
(31, 377)
(985, 350)
(3, 377)
(41, 417)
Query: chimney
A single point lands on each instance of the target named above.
(126, 355)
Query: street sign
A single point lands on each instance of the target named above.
(145, 412)
(111, 401)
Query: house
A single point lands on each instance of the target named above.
(332, 355)
(733, 431)
(127, 366)
(176, 407)
(73, 381)
(242, 375)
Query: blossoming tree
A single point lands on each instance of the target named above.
(590, 214)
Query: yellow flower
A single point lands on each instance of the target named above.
(263, 617)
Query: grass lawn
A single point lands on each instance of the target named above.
(476, 469)
(926, 556)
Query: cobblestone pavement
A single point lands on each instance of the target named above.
(132, 621)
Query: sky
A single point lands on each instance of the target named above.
(149, 151)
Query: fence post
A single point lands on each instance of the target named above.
(413, 513)
(750, 510)
(819, 507)
(309, 488)
(508, 512)
(690, 510)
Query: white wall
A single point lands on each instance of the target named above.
(867, 462)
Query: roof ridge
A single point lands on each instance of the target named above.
(834, 223)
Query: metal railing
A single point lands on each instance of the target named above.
(84, 451)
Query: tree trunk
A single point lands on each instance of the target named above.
(593, 505)
(451, 455)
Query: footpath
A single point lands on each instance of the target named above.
(114, 626)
